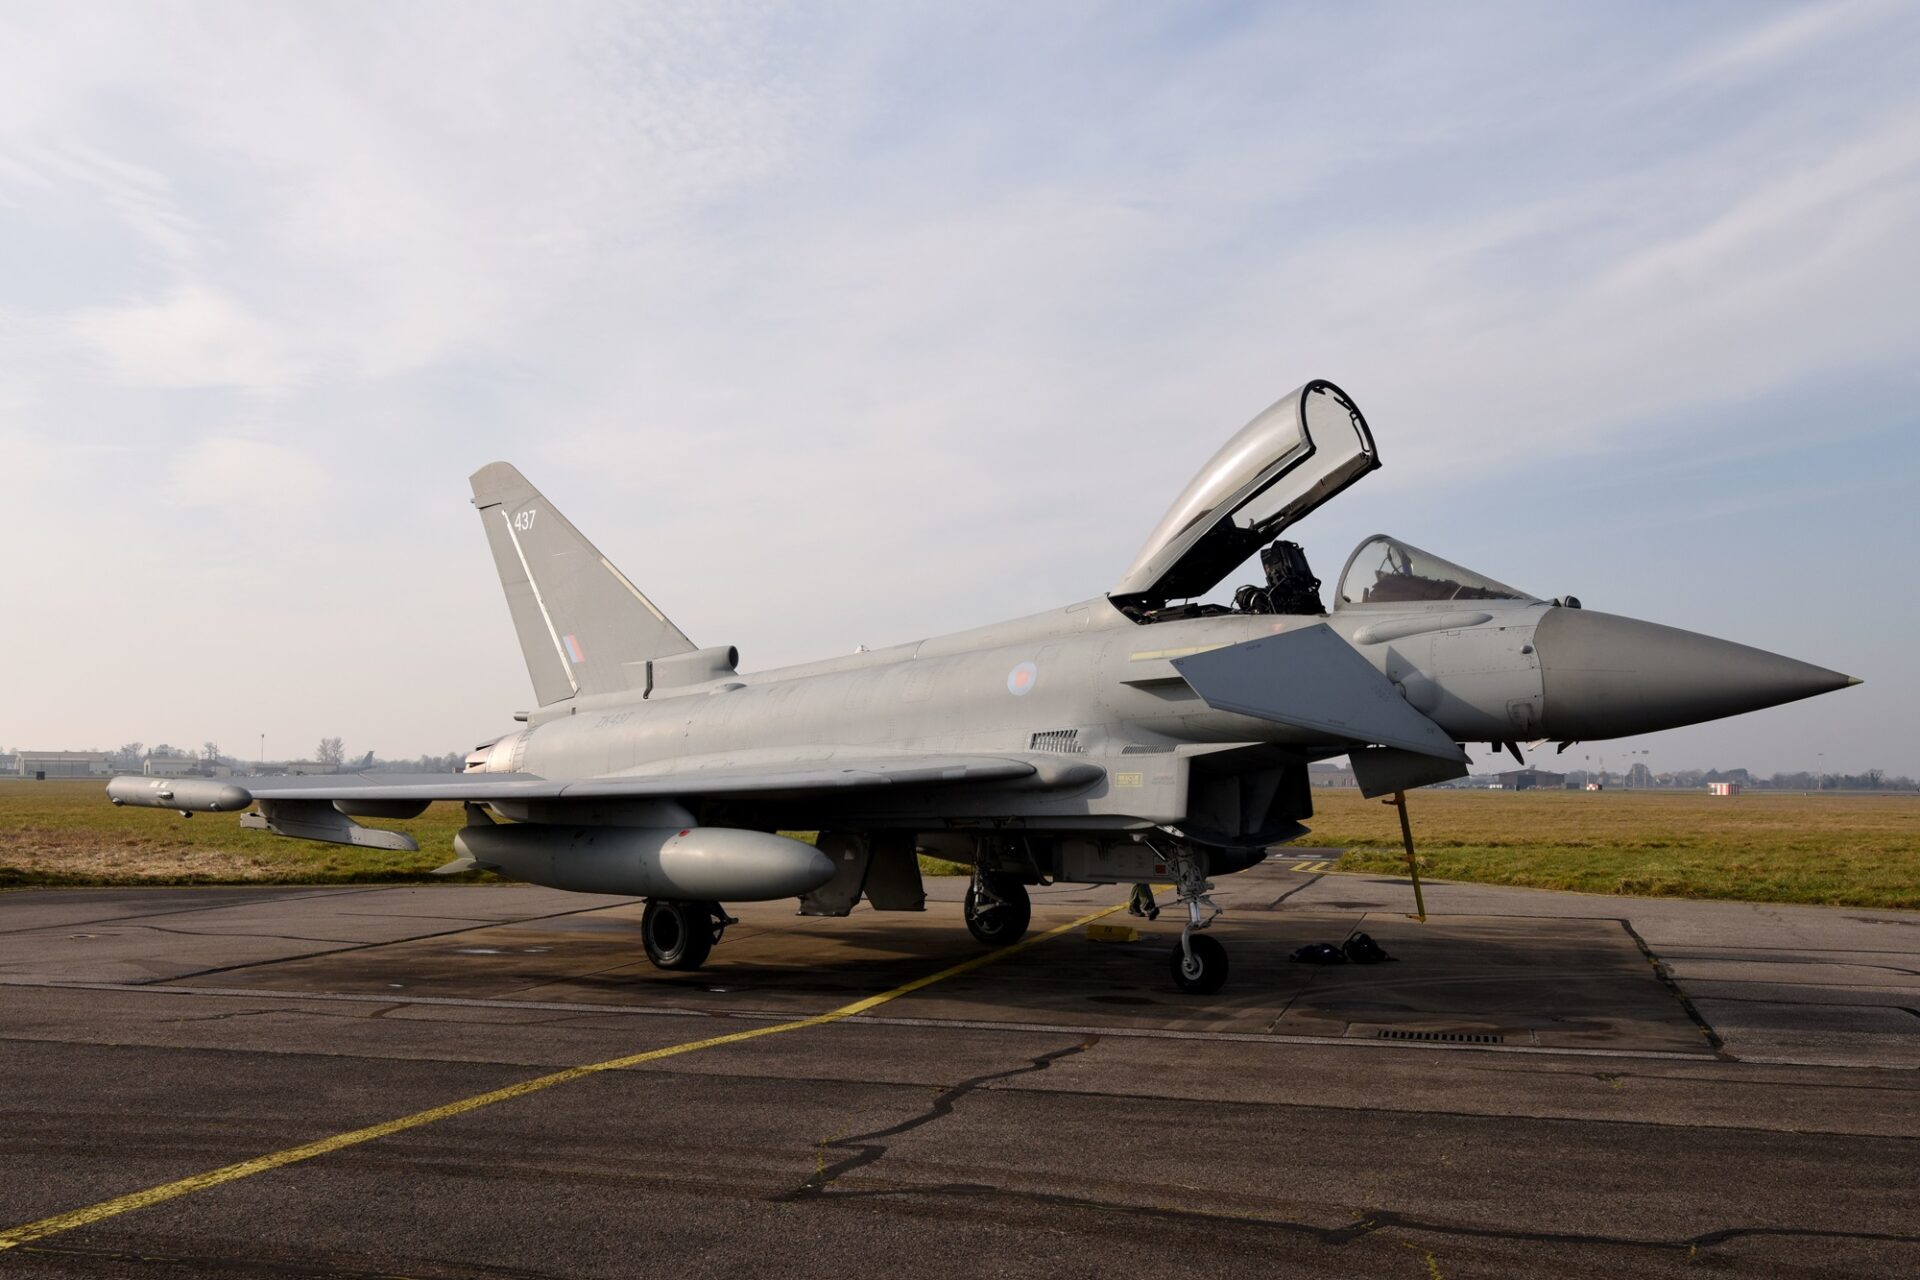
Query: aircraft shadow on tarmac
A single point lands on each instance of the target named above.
(1551, 983)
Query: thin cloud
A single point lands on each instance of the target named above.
(229, 471)
(835, 327)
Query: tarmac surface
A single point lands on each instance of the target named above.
(1540, 1083)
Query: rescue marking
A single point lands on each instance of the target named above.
(1151, 654)
(40, 1229)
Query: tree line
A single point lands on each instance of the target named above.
(132, 757)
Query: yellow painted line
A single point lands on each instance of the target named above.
(59, 1222)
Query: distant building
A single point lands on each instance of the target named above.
(301, 768)
(184, 767)
(1723, 788)
(1532, 780)
(64, 764)
(1330, 775)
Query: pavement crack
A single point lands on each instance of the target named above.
(864, 1149)
(258, 1265)
(226, 933)
(223, 1017)
(364, 946)
(1373, 1221)
(1667, 980)
(1307, 884)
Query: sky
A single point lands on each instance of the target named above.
(850, 324)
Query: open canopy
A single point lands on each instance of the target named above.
(1293, 457)
(1385, 570)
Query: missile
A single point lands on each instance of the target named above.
(695, 864)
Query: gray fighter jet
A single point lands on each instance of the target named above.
(1134, 735)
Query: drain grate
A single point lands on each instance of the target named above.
(1444, 1037)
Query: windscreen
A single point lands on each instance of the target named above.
(1388, 571)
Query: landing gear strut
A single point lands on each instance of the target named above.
(679, 935)
(997, 908)
(1199, 963)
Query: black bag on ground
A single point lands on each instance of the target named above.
(1320, 953)
(1362, 949)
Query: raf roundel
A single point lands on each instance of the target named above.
(1021, 679)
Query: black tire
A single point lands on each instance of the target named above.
(678, 935)
(1005, 922)
(1208, 971)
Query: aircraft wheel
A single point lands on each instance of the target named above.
(1003, 922)
(678, 935)
(1206, 972)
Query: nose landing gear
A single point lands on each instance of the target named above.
(1199, 963)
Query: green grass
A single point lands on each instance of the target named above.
(67, 833)
(1844, 850)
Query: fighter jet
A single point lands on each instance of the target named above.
(1138, 734)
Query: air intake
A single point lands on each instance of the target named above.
(1064, 741)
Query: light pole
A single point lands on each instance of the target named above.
(261, 766)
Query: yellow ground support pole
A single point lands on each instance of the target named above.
(1399, 801)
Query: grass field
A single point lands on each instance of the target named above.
(66, 833)
(1853, 850)
(1848, 850)
(55, 833)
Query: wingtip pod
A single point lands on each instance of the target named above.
(189, 795)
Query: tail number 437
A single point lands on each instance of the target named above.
(523, 521)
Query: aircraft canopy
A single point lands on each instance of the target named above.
(1286, 462)
(1385, 570)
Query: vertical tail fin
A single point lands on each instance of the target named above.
(584, 629)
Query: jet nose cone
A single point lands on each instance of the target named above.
(1604, 676)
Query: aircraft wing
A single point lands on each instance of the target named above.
(1312, 679)
(696, 776)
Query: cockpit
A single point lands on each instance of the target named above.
(1293, 457)
(1385, 570)
(1289, 460)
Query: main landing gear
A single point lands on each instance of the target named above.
(679, 935)
(997, 909)
(1199, 963)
